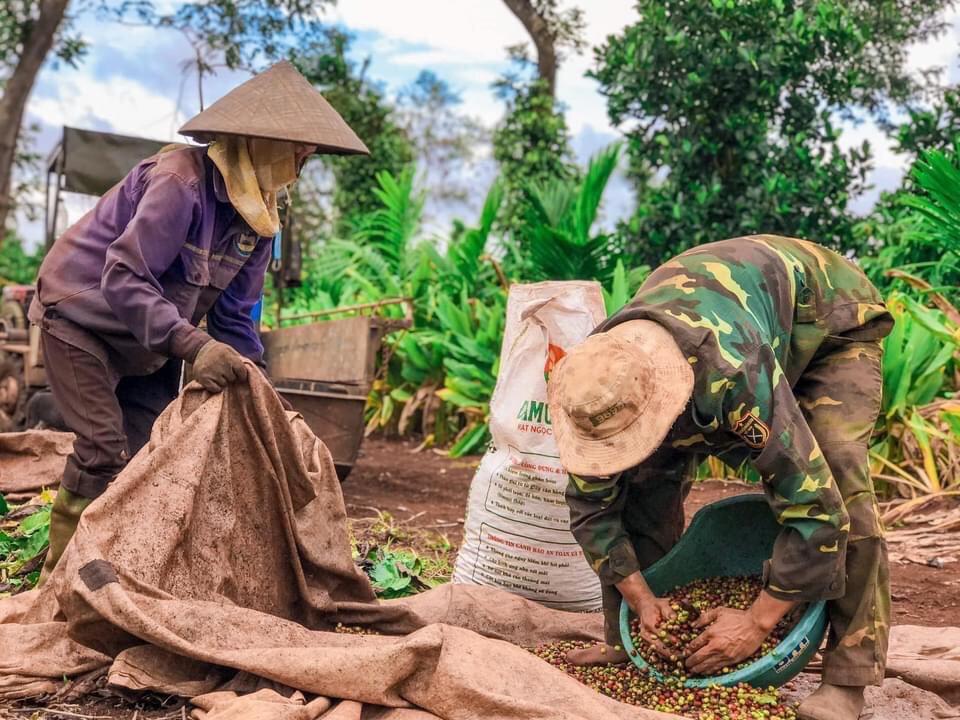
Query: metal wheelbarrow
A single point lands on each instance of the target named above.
(325, 369)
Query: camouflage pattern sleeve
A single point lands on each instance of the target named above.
(596, 520)
(809, 554)
(597, 506)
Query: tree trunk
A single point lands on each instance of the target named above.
(36, 45)
(543, 39)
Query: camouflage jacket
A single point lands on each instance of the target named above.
(750, 314)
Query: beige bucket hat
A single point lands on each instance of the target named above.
(277, 104)
(614, 397)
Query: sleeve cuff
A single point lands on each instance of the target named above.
(620, 564)
(829, 583)
(187, 342)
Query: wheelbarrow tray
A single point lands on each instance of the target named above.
(334, 413)
(324, 370)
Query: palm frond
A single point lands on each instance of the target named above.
(391, 228)
(556, 233)
(592, 188)
(937, 175)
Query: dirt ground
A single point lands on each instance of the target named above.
(430, 491)
(427, 490)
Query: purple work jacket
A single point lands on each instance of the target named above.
(133, 277)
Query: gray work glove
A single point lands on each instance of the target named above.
(218, 365)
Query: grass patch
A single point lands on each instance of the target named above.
(400, 559)
(24, 536)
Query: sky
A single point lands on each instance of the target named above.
(134, 81)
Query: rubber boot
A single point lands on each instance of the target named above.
(64, 516)
(832, 702)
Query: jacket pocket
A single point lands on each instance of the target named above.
(196, 266)
(237, 251)
(805, 301)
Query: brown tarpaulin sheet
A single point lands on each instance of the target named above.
(216, 565)
(31, 461)
(223, 546)
(928, 657)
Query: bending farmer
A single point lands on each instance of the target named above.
(186, 235)
(760, 349)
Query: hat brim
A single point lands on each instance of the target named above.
(277, 104)
(673, 378)
(206, 137)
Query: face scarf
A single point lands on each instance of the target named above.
(255, 171)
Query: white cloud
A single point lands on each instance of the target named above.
(120, 104)
(427, 58)
(130, 81)
(941, 51)
(475, 31)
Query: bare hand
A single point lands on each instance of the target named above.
(652, 611)
(730, 637)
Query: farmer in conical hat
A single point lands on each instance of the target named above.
(761, 349)
(186, 235)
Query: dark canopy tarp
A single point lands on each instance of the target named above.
(92, 162)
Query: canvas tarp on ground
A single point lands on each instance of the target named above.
(216, 566)
(223, 546)
(31, 461)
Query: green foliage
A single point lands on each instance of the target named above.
(381, 253)
(446, 141)
(920, 425)
(24, 535)
(921, 234)
(441, 373)
(917, 354)
(395, 573)
(623, 286)
(17, 20)
(471, 334)
(933, 125)
(324, 62)
(400, 560)
(531, 145)
(731, 108)
(233, 33)
(556, 232)
(937, 176)
(16, 266)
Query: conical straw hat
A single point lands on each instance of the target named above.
(278, 104)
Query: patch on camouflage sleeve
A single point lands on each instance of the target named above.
(753, 431)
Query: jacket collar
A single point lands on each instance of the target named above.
(219, 186)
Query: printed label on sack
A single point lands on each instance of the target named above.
(517, 528)
(529, 489)
(530, 567)
(555, 354)
(534, 417)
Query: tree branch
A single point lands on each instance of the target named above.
(36, 45)
(543, 38)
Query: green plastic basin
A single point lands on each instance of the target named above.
(732, 538)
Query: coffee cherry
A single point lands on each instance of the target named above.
(627, 684)
(691, 599)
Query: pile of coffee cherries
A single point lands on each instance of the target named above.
(629, 685)
(688, 601)
(342, 629)
(667, 693)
